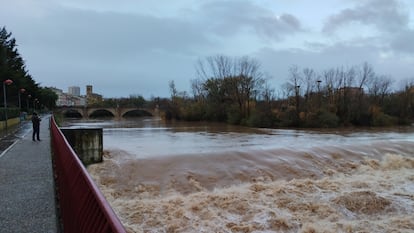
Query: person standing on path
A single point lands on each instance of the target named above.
(36, 125)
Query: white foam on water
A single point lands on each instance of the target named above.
(270, 191)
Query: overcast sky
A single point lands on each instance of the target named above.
(134, 47)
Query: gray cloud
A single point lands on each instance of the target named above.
(390, 18)
(92, 36)
(80, 45)
(384, 15)
(125, 51)
(277, 28)
(117, 51)
(237, 16)
(403, 42)
(344, 54)
(103, 33)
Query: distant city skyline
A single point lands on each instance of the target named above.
(74, 90)
(73, 96)
(136, 47)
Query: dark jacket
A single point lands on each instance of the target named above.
(36, 121)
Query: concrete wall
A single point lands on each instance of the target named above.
(87, 143)
(10, 122)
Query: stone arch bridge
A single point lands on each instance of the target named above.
(117, 112)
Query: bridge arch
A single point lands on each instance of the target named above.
(72, 113)
(104, 111)
(135, 113)
(118, 112)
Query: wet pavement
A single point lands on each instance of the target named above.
(27, 200)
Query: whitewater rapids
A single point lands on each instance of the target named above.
(363, 188)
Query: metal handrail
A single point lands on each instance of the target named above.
(83, 207)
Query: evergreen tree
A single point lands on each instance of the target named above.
(12, 66)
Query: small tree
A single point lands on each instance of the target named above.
(228, 85)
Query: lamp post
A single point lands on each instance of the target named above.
(27, 102)
(22, 90)
(297, 102)
(319, 85)
(297, 96)
(35, 101)
(319, 92)
(6, 82)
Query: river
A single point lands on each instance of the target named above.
(203, 177)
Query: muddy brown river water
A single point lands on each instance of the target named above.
(199, 177)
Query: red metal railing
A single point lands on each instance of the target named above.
(83, 208)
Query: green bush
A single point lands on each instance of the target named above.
(287, 118)
(322, 119)
(383, 119)
(214, 112)
(234, 116)
(327, 119)
(261, 120)
(11, 113)
(193, 112)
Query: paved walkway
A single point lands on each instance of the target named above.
(27, 195)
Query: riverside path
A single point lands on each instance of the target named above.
(27, 192)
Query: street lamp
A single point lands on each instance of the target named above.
(22, 90)
(297, 102)
(319, 92)
(27, 102)
(6, 82)
(319, 84)
(297, 95)
(35, 101)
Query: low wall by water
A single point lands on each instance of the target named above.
(86, 142)
(10, 122)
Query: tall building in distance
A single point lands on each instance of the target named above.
(74, 90)
(89, 90)
(91, 97)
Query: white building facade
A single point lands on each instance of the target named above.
(74, 90)
(68, 99)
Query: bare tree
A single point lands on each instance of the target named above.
(349, 77)
(294, 85)
(268, 93)
(236, 80)
(379, 87)
(251, 80)
(198, 90)
(218, 66)
(309, 79)
(366, 75)
(295, 80)
(173, 90)
(385, 87)
(331, 83)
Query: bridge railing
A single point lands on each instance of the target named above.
(83, 207)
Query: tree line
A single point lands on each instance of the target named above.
(235, 90)
(22, 92)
